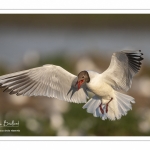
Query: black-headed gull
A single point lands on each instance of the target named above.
(54, 81)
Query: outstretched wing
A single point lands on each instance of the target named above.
(48, 80)
(124, 65)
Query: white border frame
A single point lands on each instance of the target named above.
(100, 7)
(73, 11)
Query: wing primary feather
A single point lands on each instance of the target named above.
(20, 89)
(15, 75)
(17, 85)
(13, 79)
(31, 84)
(139, 58)
(15, 82)
(33, 89)
(6, 89)
(24, 85)
(135, 63)
(28, 87)
(135, 68)
(135, 54)
(35, 86)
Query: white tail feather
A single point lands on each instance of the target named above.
(118, 107)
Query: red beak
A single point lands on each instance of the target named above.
(79, 83)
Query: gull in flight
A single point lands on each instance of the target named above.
(54, 81)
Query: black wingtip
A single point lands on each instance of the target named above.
(11, 92)
(141, 58)
(5, 89)
(135, 60)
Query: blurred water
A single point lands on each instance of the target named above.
(15, 42)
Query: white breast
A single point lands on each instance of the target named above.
(98, 86)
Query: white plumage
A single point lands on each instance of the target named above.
(54, 81)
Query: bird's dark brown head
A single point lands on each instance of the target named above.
(83, 77)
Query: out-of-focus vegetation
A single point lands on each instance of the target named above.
(41, 116)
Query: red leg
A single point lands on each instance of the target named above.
(101, 109)
(107, 105)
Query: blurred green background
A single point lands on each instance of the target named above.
(75, 42)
